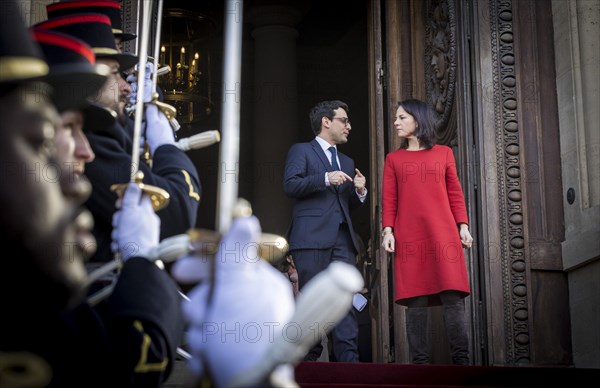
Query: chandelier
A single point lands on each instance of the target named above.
(185, 48)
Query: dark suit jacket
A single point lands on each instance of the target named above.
(318, 209)
(172, 170)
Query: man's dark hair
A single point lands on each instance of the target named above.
(324, 109)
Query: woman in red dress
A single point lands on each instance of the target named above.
(425, 223)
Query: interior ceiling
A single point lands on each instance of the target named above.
(323, 23)
(328, 20)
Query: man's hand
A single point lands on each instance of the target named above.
(136, 227)
(158, 129)
(133, 81)
(359, 182)
(337, 178)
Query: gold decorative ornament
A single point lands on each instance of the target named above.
(159, 197)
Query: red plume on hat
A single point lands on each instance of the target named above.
(110, 8)
(74, 76)
(95, 30)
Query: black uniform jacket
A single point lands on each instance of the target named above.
(172, 170)
(130, 340)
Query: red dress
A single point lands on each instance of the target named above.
(423, 201)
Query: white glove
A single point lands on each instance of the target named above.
(158, 129)
(148, 92)
(136, 227)
(251, 300)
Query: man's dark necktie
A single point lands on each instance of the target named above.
(334, 162)
(336, 167)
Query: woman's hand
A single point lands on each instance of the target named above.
(389, 242)
(465, 236)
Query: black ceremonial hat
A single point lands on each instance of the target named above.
(110, 8)
(20, 59)
(95, 30)
(72, 72)
(74, 75)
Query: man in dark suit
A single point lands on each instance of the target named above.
(326, 185)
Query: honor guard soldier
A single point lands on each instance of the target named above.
(171, 170)
(50, 336)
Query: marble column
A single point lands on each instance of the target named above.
(275, 109)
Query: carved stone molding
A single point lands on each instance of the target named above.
(440, 65)
(131, 16)
(510, 185)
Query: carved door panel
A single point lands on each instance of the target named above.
(487, 67)
(446, 70)
(377, 270)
